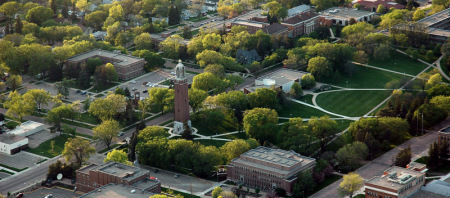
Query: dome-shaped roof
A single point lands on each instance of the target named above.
(179, 65)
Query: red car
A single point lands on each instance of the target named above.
(19, 195)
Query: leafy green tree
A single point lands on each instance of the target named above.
(171, 46)
(207, 82)
(150, 132)
(418, 14)
(433, 155)
(143, 41)
(39, 14)
(319, 67)
(96, 19)
(153, 60)
(263, 97)
(350, 156)
(18, 107)
(382, 52)
(39, 96)
(233, 149)
(107, 131)
(323, 129)
(261, 124)
(324, 4)
(308, 81)
(18, 26)
(429, 55)
(352, 182)
(107, 108)
(215, 69)
(63, 87)
(403, 157)
(296, 90)
(9, 9)
(117, 156)
(78, 149)
(57, 114)
(14, 81)
(187, 32)
(217, 191)
(161, 99)
(196, 98)
(442, 102)
(304, 185)
(381, 9)
(357, 6)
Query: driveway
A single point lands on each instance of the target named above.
(419, 146)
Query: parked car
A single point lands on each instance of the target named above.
(176, 175)
(78, 91)
(145, 91)
(49, 196)
(83, 93)
(19, 195)
(172, 73)
(134, 89)
(121, 133)
(133, 82)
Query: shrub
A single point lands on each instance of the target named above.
(11, 125)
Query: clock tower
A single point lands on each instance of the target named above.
(181, 99)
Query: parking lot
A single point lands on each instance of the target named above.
(20, 160)
(36, 139)
(183, 182)
(57, 192)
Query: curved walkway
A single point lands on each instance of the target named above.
(438, 65)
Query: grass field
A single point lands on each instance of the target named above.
(404, 64)
(306, 98)
(364, 78)
(176, 26)
(303, 111)
(350, 103)
(45, 148)
(197, 19)
(216, 143)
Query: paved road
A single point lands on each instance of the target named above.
(419, 145)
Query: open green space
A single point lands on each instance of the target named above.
(88, 118)
(216, 143)
(226, 126)
(401, 63)
(350, 103)
(364, 78)
(306, 98)
(106, 87)
(45, 148)
(299, 110)
(175, 26)
(240, 135)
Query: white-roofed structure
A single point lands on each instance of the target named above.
(27, 128)
(297, 10)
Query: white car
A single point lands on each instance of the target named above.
(172, 73)
(134, 89)
(133, 82)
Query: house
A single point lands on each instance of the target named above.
(372, 5)
(12, 144)
(267, 168)
(341, 16)
(396, 182)
(283, 78)
(94, 176)
(302, 24)
(247, 57)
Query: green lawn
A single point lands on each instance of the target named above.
(227, 126)
(100, 89)
(364, 78)
(88, 118)
(175, 26)
(45, 148)
(350, 103)
(306, 98)
(303, 111)
(404, 64)
(197, 19)
(216, 143)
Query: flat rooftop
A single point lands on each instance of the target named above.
(283, 76)
(121, 59)
(250, 23)
(435, 18)
(117, 191)
(11, 138)
(146, 183)
(25, 127)
(272, 159)
(121, 170)
(345, 13)
(298, 9)
(396, 178)
(86, 169)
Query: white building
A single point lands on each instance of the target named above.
(27, 128)
(11, 144)
(283, 78)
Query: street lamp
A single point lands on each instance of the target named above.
(422, 123)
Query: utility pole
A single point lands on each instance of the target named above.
(422, 123)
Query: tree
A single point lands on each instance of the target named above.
(117, 156)
(143, 41)
(150, 132)
(382, 52)
(207, 82)
(57, 114)
(357, 6)
(9, 9)
(161, 99)
(14, 81)
(39, 14)
(381, 9)
(324, 4)
(352, 21)
(217, 191)
(77, 149)
(308, 81)
(63, 87)
(174, 16)
(107, 131)
(233, 149)
(196, 98)
(18, 26)
(296, 90)
(319, 67)
(187, 132)
(171, 46)
(187, 32)
(153, 60)
(96, 19)
(65, 11)
(434, 80)
(361, 57)
(215, 69)
(352, 182)
(418, 14)
(403, 157)
(116, 12)
(304, 185)
(17, 106)
(39, 96)
(261, 124)
(350, 156)
(429, 56)
(107, 108)
(323, 129)
(211, 41)
(105, 74)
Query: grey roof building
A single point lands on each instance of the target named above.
(247, 57)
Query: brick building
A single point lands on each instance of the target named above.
(341, 16)
(94, 176)
(252, 26)
(267, 168)
(396, 182)
(302, 24)
(126, 66)
(444, 137)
